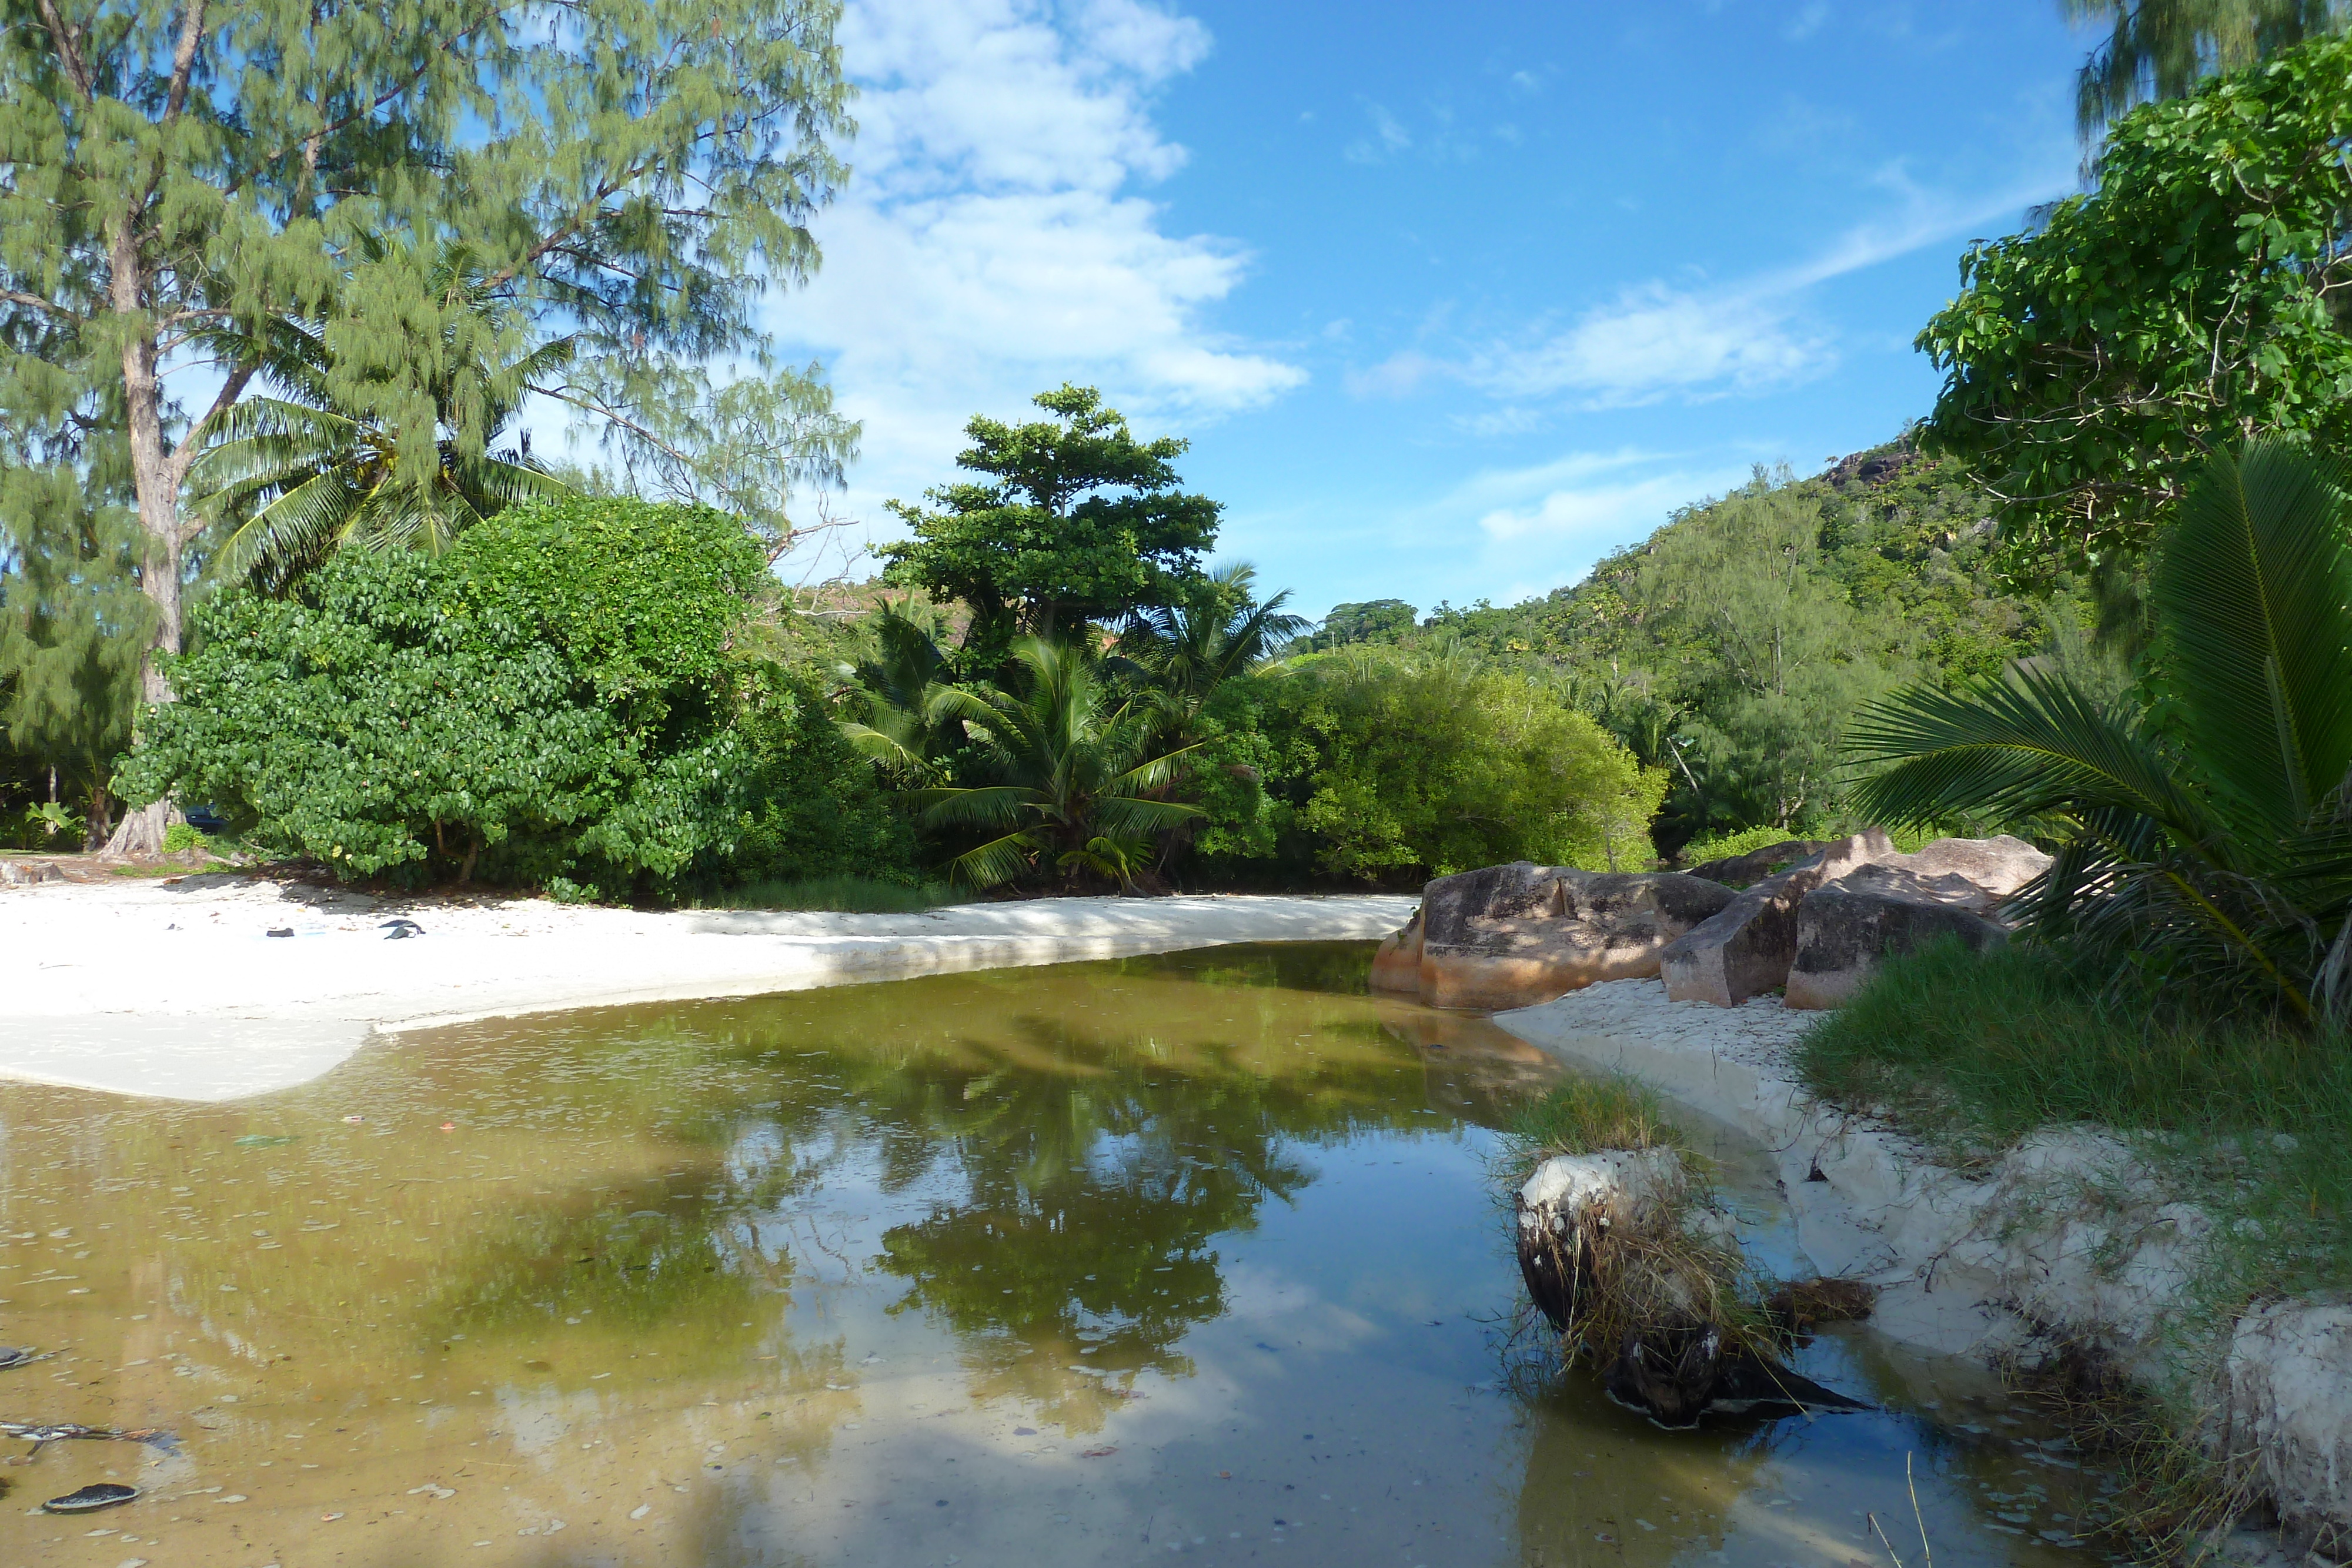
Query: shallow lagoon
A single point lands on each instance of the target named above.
(1190, 1256)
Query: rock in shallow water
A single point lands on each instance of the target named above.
(1618, 1249)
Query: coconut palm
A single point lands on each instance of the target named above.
(895, 700)
(1187, 650)
(291, 478)
(2210, 837)
(1071, 768)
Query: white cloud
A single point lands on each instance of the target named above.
(1653, 341)
(1657, 340)
(1566, 512)
(992, 243)
(1593, 513)
(1807, 21)
(1390, 131)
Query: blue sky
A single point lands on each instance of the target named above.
(1452, 299)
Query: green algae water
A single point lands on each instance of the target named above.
(1190, 1257)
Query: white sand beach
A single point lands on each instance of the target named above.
(175, 989)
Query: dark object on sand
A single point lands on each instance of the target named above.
(40, 1432)
(279, 931)
(396, 930)
(1802, 1306)
(10, 1355)
(1676, 1376)
(90, 1498)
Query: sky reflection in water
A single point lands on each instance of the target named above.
(1188, 1256)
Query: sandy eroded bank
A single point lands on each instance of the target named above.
(2070, 1234)
(175, 989)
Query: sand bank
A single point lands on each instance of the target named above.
(175, 988)
(2069, 1237)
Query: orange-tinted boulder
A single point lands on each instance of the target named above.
(1512, 935)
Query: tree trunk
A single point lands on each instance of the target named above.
(157, 487)
(98, 825)
(142, 830)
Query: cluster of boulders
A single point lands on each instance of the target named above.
(1809, 920)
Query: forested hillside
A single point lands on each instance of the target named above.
(1729, 647)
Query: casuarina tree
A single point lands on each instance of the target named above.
(175, 171)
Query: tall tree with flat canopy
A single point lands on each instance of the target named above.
(1075, 520)
(175, 175)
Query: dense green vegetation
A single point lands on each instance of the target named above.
(560, 699)
(181, 188)
(1111, 715)
(1064, 693)
(1735, 680)
(2191, 301)
(2206, 842)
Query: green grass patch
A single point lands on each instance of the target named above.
(1724, 846)
(1581, 1116)
(839, 894)
(1587, 1113)
(1970, 1053)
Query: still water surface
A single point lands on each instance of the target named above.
(1194, 1256)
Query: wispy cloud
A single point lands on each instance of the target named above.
(1807, 21)
(1389, 137)
(1657, 340)
(1653, 342)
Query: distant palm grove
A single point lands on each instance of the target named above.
(275, 288)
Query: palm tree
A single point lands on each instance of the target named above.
(2209, 837)
(897, 700)
(1188, 649)
(292, 478)
(1070, 767)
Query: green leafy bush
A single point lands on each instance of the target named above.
(557, 700)
(1378, 767)
(180, 837)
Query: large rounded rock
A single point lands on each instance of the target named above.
(1745, 948)
(1513, 935)
(1951, 888)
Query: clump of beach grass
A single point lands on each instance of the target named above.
(1585, 1114)
(1654, 1289)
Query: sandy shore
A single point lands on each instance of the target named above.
(175, 988)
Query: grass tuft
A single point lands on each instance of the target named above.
(838, 894)
(1585, 1114)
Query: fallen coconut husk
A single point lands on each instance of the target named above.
(1638, 1266)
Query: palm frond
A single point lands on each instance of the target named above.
(974, 805)
(2253, 593)
(1125, 814)
(2027, 746)
(294, 531)
(998, 860)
